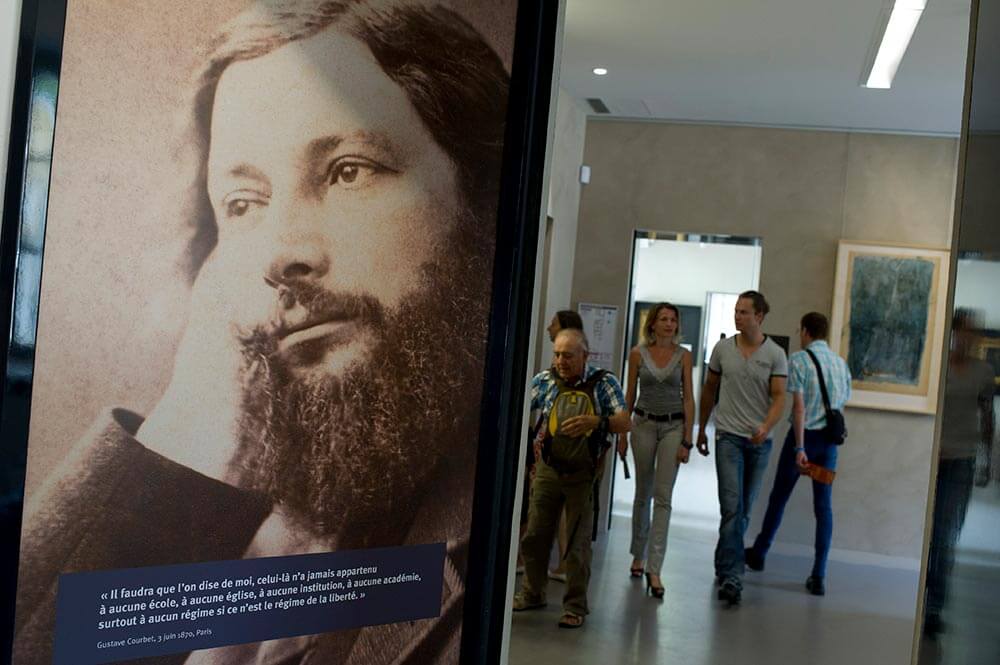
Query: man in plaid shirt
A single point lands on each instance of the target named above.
(806, 442)
(551, 489)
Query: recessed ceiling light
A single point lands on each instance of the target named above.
(893, 42)
(600, 71)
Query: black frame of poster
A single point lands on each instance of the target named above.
(22, 235)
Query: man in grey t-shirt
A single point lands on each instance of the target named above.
(747, 372)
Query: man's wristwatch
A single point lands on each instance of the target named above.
(687, 444)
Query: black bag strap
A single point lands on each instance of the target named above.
(822, 382)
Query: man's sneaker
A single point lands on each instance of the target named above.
(730, 593)
(753, 560)
(815, 586)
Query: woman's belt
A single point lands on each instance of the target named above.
(667, 418)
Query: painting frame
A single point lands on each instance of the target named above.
(920, 394)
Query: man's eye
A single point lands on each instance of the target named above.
(238, 208)
(353, 172)
(241, 203)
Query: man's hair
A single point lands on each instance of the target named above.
(647, 329)
(760, 305)
(578, 335)
(816, 325)
(569, 320)
(451, 75)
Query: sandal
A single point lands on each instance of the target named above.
(655, 591)
(637, 571)
(522, 603)
(568, 620)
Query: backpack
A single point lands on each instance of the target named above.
(568, 454)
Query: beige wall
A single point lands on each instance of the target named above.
(801, 192)
(569, 136)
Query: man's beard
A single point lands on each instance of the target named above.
(348, 457)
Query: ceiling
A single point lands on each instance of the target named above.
(793, 63)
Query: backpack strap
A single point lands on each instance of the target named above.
(597, 441)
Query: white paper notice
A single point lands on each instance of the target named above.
(599, 324)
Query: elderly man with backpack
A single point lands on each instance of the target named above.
(581, 406)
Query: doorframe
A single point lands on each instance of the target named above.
(677, 236)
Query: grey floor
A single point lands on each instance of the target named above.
(972, 613)
(865, 618)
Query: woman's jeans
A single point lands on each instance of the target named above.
(654, 447)
(739, 465)
(822, 453)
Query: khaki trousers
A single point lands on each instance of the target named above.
(550, 491)
(654, 447)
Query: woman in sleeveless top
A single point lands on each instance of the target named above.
(662, 419)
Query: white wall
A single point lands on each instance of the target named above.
(683, 272)
(976, 287)
(10, 18)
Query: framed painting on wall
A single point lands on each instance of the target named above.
(888, 323)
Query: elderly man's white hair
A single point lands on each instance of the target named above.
(578, 335)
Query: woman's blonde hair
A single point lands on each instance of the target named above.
(647, 330)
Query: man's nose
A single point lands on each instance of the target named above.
(303, 260)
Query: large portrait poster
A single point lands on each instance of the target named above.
(262, 323)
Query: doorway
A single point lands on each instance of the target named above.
(703, 275)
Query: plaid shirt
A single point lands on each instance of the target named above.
(608, 392)
(802, 379)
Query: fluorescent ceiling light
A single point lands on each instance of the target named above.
(899, 30)
(600, 71)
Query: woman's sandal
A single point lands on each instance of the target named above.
(636, 572)
(568, 620)
(655, 591)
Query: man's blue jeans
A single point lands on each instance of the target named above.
(820, 452)
(740, 467)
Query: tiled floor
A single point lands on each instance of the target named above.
(866, 618)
